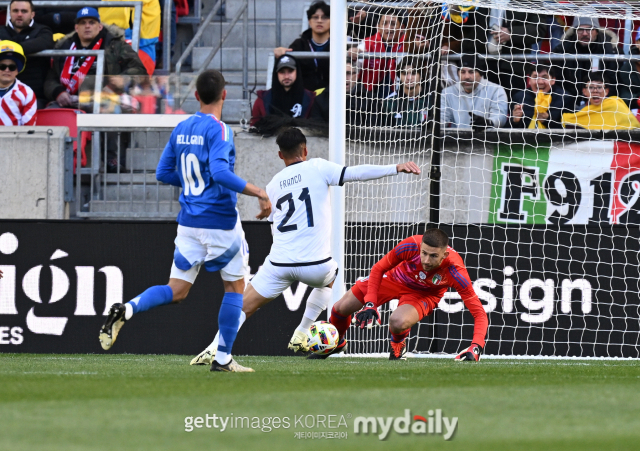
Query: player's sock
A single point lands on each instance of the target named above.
(342, 323)
(152, 297)
(317, 302)
(214, 344)
(228, 324)
(399, 338)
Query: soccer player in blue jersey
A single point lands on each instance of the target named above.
(200, 158)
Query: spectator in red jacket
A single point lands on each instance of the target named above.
(378, 74)
(17, 101)
(287, 96)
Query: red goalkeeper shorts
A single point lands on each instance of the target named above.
(389, 290)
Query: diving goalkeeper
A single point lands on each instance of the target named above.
(418, 272)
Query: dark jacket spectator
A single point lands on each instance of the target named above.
(120, 59)
(33, 38)
(315, 71)
(585, 38)
(543, 100)
(409, 105)
(287, 96)
(629, 77)
(513, 33)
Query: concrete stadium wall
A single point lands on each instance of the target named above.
(32, 173)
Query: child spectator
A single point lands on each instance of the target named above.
(542, 104)
(409, 106)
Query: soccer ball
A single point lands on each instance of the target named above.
(323, 337)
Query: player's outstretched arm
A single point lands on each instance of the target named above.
(366, 172)
(263, 200)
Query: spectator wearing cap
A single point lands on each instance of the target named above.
(67, 74)
(33, 38)
(585, 37)
(541, 105)
(315, 71)
(18, 102)
(287, 97)
(601, 112)
(473, 101)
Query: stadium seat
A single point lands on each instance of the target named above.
(64, 117)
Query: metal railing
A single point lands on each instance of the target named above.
(244, 10)
(135, 4)
(134, 194)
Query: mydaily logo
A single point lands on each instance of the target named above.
(61, 286)
(434, 423)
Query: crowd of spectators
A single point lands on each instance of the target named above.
(499, 69)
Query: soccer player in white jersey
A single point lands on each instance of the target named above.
(200, 158)
(301, 216)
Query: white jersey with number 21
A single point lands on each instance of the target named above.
(301, 212)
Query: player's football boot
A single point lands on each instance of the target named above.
(342, 346)
(204, 358)
(111, 327)
(398, 350)
(231, 367)
(299, 342)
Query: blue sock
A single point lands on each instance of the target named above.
(152, 297)
(228, 322)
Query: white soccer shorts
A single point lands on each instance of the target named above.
(217, 250)
(272, 280)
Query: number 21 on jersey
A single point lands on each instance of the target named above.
(288, 198)
(193, 183)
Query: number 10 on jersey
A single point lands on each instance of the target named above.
(306, 198)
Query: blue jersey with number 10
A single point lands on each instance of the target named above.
(200, 157)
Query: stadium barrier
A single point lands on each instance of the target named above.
(37, 181)
(547, 292)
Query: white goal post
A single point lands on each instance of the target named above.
(523, 116)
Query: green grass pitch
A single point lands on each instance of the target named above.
(139, 402)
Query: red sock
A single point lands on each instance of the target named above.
(399, 338)
(342, 323)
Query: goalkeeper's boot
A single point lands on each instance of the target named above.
(231, 367)
(398, 350)
(342, 347)
(111, 327)
(204, 358)
(299, 342)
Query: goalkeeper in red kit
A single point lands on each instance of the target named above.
(418, 272)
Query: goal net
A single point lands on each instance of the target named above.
(523, 116)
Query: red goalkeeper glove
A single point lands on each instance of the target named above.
(367, 315)
(470, 355)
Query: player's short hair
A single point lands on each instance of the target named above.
(209, 86)
(290, 141)
(435, 238)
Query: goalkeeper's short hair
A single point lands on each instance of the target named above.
(435, 238)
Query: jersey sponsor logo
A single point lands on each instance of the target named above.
(195, 140)
(290, 181)
(436, 279)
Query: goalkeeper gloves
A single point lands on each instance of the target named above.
(470, 355)
(367, 315)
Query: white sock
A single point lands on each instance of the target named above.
(222, 357)
(316, 303)
(128, 311)
(214, 344)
